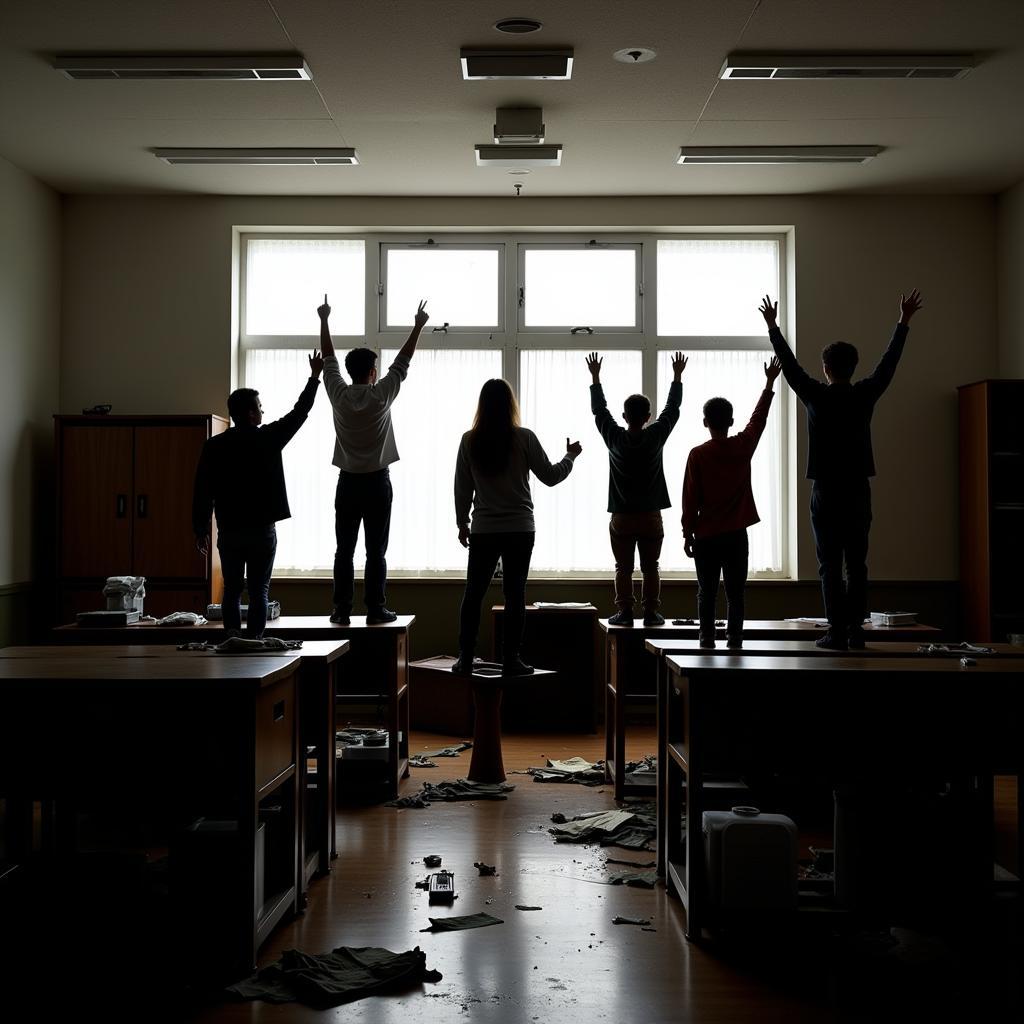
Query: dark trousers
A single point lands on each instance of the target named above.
(247, 559)
(722, 555)
(841, 521)
(514, 550)
(362, 498)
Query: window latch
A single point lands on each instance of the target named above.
(522, 297)
(443, 329)
(380, 287)
(582, 330)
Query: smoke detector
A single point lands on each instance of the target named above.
(518, 26)
(635, 55)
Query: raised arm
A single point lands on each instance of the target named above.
(463, 492)
(669, 416)
(881, 376)
(409, 348)
(388, 386)
(797, 377)
(752, 432)
(284, 429)
(606, 425)
(541, 466)
(333, 381)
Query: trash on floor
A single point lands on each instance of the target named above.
(441, 887)
(635, 879)
(459, 789)
(341, 976)
(572, 769)
(628, 829)
(458, 924)
(484, 869)
(452, 751)
(520, 906)
(644, 922)
(432, 860)
(631, 863)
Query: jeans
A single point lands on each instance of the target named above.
(841, 521)
(485, 549)
(630, 531)
(725, 555)
(362, 498)
(247, 558)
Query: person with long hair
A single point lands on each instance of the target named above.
(492, 476)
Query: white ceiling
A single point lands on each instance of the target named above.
(387, 81)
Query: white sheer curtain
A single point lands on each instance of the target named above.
(739, 377)
(711, 287)
(554, 399)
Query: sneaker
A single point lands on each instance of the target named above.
(379, 616)
(516, 667)
(653, 618)
(707, 643)
(735, 643)
(621, 618)
(855, 638)
(832, 640)
(463, 665)
(340, 617)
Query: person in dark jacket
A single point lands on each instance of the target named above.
(636, 488)
(840, 463)
(240, 479)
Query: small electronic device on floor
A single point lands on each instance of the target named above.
(441, 887)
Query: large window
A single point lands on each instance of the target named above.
(527, 309)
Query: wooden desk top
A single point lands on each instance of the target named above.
(532, 608)
(682, 664)
(312, 650)
(806, 648)
(753, 627)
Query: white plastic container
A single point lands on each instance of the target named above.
(750, 860)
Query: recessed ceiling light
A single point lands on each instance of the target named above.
(252, 67)
(262, 157)
(748, 155)
(528, 64)
(635, 55)
(516, 156)
(824, 66)
(518, 26)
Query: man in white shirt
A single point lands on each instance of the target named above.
(364, 447)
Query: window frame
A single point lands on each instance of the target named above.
(512, 338)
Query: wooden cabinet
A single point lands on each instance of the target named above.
(992, 509)
(124, 507)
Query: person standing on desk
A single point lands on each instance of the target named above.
(240, 479)
(840, 464)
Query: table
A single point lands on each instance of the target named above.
(887, 715)
(378, 660)
(624, 662)
(186, 735)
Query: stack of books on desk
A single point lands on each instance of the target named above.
(894, 618)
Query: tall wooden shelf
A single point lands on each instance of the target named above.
(992, 509)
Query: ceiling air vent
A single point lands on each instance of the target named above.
(752, 155)
(518, 126)
(519, 156)
(270, 67)
(261, 157)
(822, 66)
(530, 64)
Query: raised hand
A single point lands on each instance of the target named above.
(594, 366)
(573, 449)
(323, 311)
(679, 362)
(422, 316)
(316, 363)
(771, 372)
(909, 305)
(769, 310)
(464, 536)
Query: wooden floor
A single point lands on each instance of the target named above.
(568, 961)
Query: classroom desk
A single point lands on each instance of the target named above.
(376, 669)
(660, 647)
(877, 717)
(625, 663)
(185, 736)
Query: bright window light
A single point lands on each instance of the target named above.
(286, 278)
(461, 286)
(580, 287)
(711, 287)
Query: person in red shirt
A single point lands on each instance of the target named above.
(718, 506)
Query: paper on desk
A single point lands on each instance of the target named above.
(562, 604)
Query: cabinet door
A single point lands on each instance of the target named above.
(95, 497)
(165, 467)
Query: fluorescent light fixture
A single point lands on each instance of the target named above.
(531, 64)
(253, 67)
(261, 157)
(739, 155)
(518, 126)
(519, 156)
(817, 66)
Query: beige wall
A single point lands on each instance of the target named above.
(1010, 212)
(29, 343)
(147, 312)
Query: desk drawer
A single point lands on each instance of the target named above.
(275, 730)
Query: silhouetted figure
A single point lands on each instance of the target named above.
(636, 488)
(492, 474)
(718, 506)
(840, 462)
(364, 447)
(240, 479)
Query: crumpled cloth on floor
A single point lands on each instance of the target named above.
(424, 759)
(961, 648)
(458, 789)
(627, 829)
(243, 645)
(458, 924)
(342, 976)
(572, 769)
(180, 619)
(635, 879)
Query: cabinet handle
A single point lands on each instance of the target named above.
(122, 506)
(142, 506)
